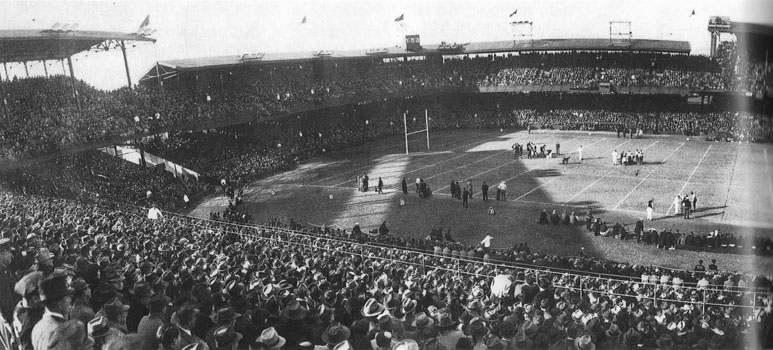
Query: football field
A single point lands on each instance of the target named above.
(732, 182)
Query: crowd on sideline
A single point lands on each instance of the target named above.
(44, 115)
(126, 281)
(665, 239)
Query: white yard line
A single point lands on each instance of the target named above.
(690, 177)
(653, 144)
(538, 187)
(466, 165)
(646, 177)
(589, 186)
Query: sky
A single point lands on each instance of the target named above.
(189, 29)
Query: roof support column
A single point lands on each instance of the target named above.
(126, 64)
(158, 74)
(72, 82)
(45, 68)
(7, 77)
(6, 114)
(26, 71)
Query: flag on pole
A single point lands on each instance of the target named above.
(145, 23)
(514, 13)
(400, 18)
(303, 21)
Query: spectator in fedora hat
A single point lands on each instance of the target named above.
(294, 327)
(97, 328)
(584, 342)
(71, 335)
(382, 341)
(269, 339)
(449, 334)
(186, 315)
(80, 304)
(323, 317)
(7, 281)
(141, 293)
(372, 309)
(167, 337)
(115, 312)
(420, 323)
(225, 338)
(156, 317)
(28, 310)
(56, 297)
(45, 261)
(335, 334)
(225, 316)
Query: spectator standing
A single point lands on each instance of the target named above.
(650, 209)
(154, 213)
(686, 207)
(55, 296)
(677, 204)
(579, 152)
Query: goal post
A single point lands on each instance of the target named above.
(425, 130)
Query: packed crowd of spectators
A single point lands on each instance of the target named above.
(745, 74)
(94, 175)
(44, 116)
(140, 283)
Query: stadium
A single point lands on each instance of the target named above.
(580, 193)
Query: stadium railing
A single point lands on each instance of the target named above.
(503, 265)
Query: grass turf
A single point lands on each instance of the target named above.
(732, 183)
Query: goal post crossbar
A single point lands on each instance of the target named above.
(425, 130)
(417, 132)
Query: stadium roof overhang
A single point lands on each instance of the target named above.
(543, 45)
(39, 45)
(751, 29)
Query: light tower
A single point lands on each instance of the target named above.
(717, 26)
